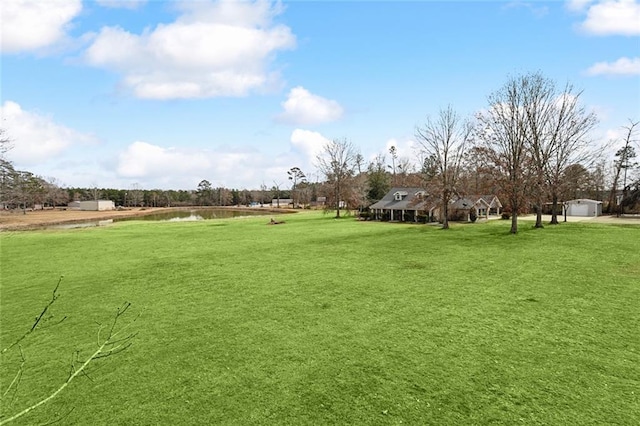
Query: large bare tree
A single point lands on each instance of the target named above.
(444, 140)
(556, 129)
(538, 96)
(337, 162)
(503, 133)
(569, 140)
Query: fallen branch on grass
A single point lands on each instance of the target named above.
(39, 318)
(115, 342)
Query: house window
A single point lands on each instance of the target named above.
(399, 195)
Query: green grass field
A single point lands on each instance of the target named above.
(322, 321)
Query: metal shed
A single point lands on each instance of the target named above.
(584, 207)
(97, 205)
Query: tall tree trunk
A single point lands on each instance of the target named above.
(445, 210)
(612, 195)
(338, 201)
(538, 208)
(514, 223)
(554, 208)
(514, 216)
(538, 200)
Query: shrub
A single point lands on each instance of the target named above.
(457, 216)
(472, 215)
(407, 217)
(506, 216)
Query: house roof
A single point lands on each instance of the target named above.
(489, 200)
(463, 203)
(410, 199)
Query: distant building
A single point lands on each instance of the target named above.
(584, 207)
(96, 205)
(410, 204)
(282, 202)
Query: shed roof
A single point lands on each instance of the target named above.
(583, 201)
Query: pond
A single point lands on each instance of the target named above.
(170, 216)
(195, 214)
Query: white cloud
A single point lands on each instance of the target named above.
(408, 154)
(35, 24)
(309, 143)
(144, 160)
(613, 17)
(537, 10)
(124, 4)
(407, 148)
(303, 107)
(623, 66)
(37, 138)
(578, 5)
(154, 166)
(212, 49)
(617, 134)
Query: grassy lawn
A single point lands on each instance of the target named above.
(323, 321)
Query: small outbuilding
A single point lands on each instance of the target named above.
(584, 207)
(97, 205)
(282, 202)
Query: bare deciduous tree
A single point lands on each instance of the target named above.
(135, 195)
(568, 136)
(55, 192)
(623, 160)
(444, 140)
(557, 128)
(503, 133)
(337, 162)
(538, 96)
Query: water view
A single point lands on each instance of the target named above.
(169, 216)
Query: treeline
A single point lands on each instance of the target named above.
(201, 196)
(531, 146)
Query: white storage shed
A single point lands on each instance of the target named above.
(584, 207)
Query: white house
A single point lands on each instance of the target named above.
(584, 207)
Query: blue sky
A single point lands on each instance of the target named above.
(163, 94)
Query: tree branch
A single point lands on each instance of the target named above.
(54, 297)
(104, 350)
